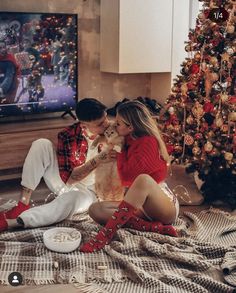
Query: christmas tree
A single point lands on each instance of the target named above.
(199, 123)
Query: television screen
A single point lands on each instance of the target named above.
(38, 63)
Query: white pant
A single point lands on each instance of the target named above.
(41, 161)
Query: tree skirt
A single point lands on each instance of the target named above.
(202, 260)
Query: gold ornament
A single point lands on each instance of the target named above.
(219, 121)
(211, 134)
(196, 150)
(189, 120)
(213, 61)
(230, 29)
(197, 56)
(225, 128)
(208, 146)
(232, 116)
(228, 156)
(225, 57)
(197, 110)
(224, 98)
(178, 149)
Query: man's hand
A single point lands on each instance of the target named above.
(107, 156)
(81, 172)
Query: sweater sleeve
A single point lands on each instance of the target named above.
(64, 155)
(141, 158)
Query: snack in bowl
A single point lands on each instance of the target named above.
(62, 239)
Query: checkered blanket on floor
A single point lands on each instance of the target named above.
(202, 260)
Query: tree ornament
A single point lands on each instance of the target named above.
(188, 139)
(224, 128)
(228, 156)
(208, 147)
(230, 29)
(188, 48)
(232, 116)
(197, 56)
(208, 107)
(200, 38)
(197, 110)
(178, 149)
(230, 51)
(198, 135)
(225, 57)
(194, 68)
(219, 121)
(190, 120)
(213, 60)
(224, 97)
(196, 150)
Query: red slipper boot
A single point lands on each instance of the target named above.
(3, 222)
(17, 210)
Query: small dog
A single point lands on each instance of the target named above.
(107, 181)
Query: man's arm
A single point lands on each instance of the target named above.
(81, 172)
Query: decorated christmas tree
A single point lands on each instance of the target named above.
(199, 123)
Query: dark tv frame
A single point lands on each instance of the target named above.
(49, 114)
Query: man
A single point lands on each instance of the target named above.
(8, 75)
(68, 172)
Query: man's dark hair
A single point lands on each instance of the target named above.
(89, 109)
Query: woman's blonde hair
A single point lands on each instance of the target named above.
(137, 115)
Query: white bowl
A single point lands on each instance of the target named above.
(62, 239)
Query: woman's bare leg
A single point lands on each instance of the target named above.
(146, 193)
(101, 212)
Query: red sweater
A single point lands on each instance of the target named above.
(142, 156)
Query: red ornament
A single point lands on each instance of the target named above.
(208, 107)
(191, 85)
(194, 68)
(232, 100)
(198, 136)
(170, 148)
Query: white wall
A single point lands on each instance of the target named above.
(184, 17)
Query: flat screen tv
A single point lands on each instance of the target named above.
(38, 63)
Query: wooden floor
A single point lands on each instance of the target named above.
(11, 190)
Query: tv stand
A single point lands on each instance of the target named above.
(17, 137)
(70, 113)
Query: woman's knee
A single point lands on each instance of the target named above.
(95, 211)
(100, 212)
(143, 180)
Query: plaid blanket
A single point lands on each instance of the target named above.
(202, 260)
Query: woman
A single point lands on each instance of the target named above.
(142, 166)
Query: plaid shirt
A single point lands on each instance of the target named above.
(72, 149)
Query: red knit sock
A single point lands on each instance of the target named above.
(17, 210)
(141, 225)
(105, 235)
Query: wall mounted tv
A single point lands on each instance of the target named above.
(38, 63)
